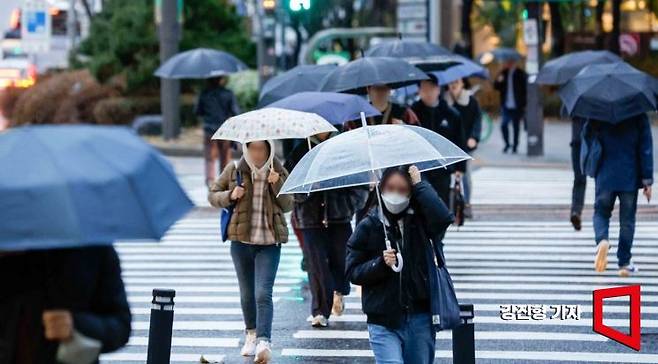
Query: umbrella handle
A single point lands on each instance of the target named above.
(399, 264)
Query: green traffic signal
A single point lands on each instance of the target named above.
(299, 5)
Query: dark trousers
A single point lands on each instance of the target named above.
(440, 179)
(325, 250)
(603, 206)
(514, 117)
(579, 181)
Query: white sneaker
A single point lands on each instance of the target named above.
(319, 321)
(263, 352)
(339, 305)
(601, 259)
(249, 347)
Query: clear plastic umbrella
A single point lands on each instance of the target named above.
(355, 157)
(272, 123)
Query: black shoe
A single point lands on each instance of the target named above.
(506, 149)
(576, 221)
(303, 265)
(514, 151)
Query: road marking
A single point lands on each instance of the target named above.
(447, 335)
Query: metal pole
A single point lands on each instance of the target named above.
(463, 337)
(160, 329)
(169, 89)
(534, 112)
(71, 25)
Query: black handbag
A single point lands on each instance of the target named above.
(227, 212)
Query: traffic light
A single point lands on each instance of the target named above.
(269, 6)
(299, 5)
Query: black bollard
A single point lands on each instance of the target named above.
(162, 321)
(463, 337)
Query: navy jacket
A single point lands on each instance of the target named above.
(215, 105)
(386, 295)
(520, 83)
(626, 162)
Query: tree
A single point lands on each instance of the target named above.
(123, 41)
(466, 28)
(557, 29)
(616, 26)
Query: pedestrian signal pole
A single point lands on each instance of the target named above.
(534, 110)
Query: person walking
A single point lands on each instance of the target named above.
(256, 230)
(216, 103)
(324, 219)
(398, 305)
(62, 306)
(471, 117)
(624, 166)
(511, 83)
(579, 177)
(391, 113)
(435, 114)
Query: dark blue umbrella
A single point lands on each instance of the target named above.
(72, 186)
(609, 92)
(335, 107)
(466, 69)
(355, 76)
(298, 79)
(560, 70)
(499, 54)
(200, 63)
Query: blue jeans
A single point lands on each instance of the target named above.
(256, 266)
(412, 343)
(513, 116)
(603, 206)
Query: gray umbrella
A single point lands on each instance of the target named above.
(200, 63)
(299, 79)
(560, 70)
(355, 76)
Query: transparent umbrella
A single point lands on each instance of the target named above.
(354, 158)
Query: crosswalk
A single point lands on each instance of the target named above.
(492, 264)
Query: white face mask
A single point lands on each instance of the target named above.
(395, 202)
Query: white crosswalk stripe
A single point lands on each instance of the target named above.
(492, 264)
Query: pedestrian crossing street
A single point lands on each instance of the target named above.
(492, 264)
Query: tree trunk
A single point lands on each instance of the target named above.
(466, 29)
(600, 34)
(557, 28)
(616, 26)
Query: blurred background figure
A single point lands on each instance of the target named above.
(65, 305)
(468, 107)
(216, 103)
(511, 83)
(435, 114)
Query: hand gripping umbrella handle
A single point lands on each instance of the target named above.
(400, 263)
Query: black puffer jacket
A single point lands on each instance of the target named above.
(319, 209)
(386, 295)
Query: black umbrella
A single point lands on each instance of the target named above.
(406, 49)
(609, 92)
(355, 76)
(560, 70)
(426, 56)
(499, 54)
(200, 63)
(298, 79)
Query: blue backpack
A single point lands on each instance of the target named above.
(227, 212)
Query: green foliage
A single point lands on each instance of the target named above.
(503, 16)
(245, 87)
(123, 41)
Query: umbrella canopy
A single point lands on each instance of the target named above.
(499, 54)
(406, 49)
(200, 63)
(72, 186)
(299, 79)
(560, 70)
(272, 123)
(609, 92)
(335, 107)
(466, 69)
(355, 76)
(350, 158)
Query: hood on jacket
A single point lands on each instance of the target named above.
(254, 169)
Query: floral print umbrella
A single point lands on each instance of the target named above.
(272, 123)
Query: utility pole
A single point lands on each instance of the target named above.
(71, 25)
(169, 32)
(534, 110)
